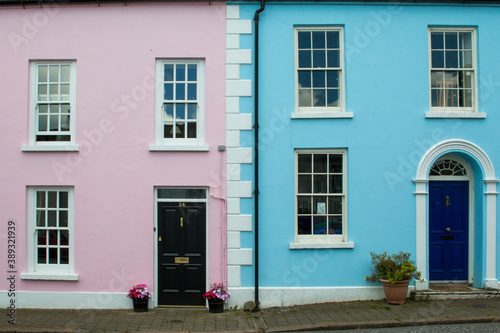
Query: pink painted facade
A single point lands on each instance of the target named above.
(114, 173)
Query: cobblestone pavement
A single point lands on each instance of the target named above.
(280, 319)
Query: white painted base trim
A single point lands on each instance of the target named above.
(276, 296)
(68, 300)
(491, 284)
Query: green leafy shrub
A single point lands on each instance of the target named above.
(395, 267)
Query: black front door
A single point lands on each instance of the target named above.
(181, 253)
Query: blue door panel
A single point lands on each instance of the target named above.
(448, 230)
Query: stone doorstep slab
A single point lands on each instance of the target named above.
(446, 294)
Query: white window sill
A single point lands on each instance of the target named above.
(455, 114)
(315, 115)
(339, 245)
(178, 148)
(47, 276)
(70, 147)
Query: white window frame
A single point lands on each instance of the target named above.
(49, 271)
(324, 111)
(455, 111)
(179, 144)
(322, 241)
(33, 145)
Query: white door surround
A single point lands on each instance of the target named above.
(421, 180)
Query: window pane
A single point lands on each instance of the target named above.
(304, 225)
(42, 255)
(305, 164)
(451, 41)
(332, 96)
(169, 112)
(318, 39)
(465, 79)
(54, 123)
(437, 97)
(180, 91)
(180, 130)
(169, 91)
(64, 92)
(451, 59)
(180, 72)
(333, 58)
(65, 108)
(180, 112)
(52, 218)
(335, 225)
(54, 73)
(52, 255)
(451, 79)
(320, 161)
(467, 59)
(319, 97)
(191, 130)
(42, 73)
(335, 163)
(304, 38)
(168, 131)
(40, 218)
(318, 79)
(53, 92)
(52, 195)
(53, 237)
(192, 111)
(192, 72)
(42, 123)
(468, 98)
(178, 193)
(319, 60)
(40, 199)
(65, 123)
(169, 72)
(320, 182)
(335, 184)
(437, 41)
(437, 79)
(334, 205)
(305, 59)
(332, 40)
(305, 184)
(42, 237)
(64, 256)
(65, 70)
(305, 97)
(63, 199)
(437, 59)
(332, 79)
(304, 205)
(64, 237)
(191, 91)
(319, 205)
(42, 92)
(63, 219)
(320, 226)
(304, 79)
(466, 41)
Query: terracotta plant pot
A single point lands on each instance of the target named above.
(395, 293)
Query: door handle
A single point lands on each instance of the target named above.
(182, 222)
(448, 203)
(448, 229)
(159, 239)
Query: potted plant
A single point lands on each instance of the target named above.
(216, 297)
(395, 272)
(140, 296)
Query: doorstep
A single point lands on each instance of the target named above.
(452, 291)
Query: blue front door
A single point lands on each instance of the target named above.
(448, 230)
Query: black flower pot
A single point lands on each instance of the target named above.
(140, 304)
(216, 305)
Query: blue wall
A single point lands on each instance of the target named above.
(387, 90)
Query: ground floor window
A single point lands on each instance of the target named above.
(320, 195)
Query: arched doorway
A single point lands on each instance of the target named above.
(488, 218)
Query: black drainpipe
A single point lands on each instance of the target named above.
(256, 133)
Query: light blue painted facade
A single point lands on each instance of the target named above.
(386, 49)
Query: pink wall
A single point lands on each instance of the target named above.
(115, 48)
